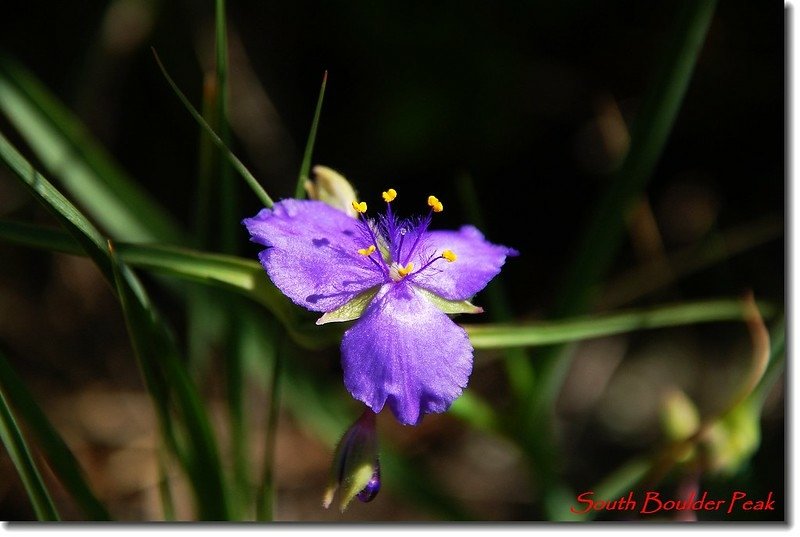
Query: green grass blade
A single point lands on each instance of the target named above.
(158, 360)
(493, 336)
(649, 132)
(237, 164)
(603, 236)
(164, 490)
(227, 203)
(476, 412)
(58, 455)
(265, 497)
(88, 173)
(230, 230)
(237, 274)
(617, 484)
(20, 455)
(87, 236)
(156, 348)
(305, 165)
(519, 370)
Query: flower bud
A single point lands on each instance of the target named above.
(733, 440)
(355, 465)
(679, 416)
(332, 188)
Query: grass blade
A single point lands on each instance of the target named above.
(649, 133)
(88, 238)
(163, 373)
(305, 165)
(229, 230)
(603, 236)
(265, 497)
(158, 354)
(87, 172)
(494, 336)
(519, 370)
(58, 455)
(21, 457)
(237, 164)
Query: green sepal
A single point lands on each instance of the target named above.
(450, 306)
(351, 310)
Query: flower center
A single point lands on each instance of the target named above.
(387, 235)
(397, 272)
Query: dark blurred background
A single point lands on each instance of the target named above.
(529, 101)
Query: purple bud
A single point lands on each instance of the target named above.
(369, 492)
(355, 467)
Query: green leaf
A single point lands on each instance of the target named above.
(599, 245)
(85, 234)
(517, 362)
(20, 455)
(493, 336)
(58, 455)
(237, 164)
(243, 276)
(305, 165)
(164, 371)
(87, 172)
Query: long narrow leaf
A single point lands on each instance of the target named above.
(493, 336)
(600, 243)
(519, 369)
(305, 165)
(229, 231)
(88, 173)
(86, 235)
(237, 164)
(21, 457)
(158, 362)
(58, 455)
(155, 347)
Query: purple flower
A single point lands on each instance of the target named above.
(398, 279)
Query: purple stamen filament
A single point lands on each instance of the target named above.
(393, 269)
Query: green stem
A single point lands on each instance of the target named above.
(266, 495)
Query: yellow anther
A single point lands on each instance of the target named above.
(449, 255)
(389, 195)
(367, 251)
(404, 271)
(435, 204)
(360, 207)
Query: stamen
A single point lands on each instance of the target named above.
(360, 208)
(389, 195)
(367, 251)
(404, 271)
(449, 255)
(435, 204)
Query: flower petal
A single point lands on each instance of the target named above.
(477, 262)
(312, 253)
(405, 352)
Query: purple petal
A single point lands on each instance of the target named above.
(478, 261)
(406, 352)
(312, 253)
